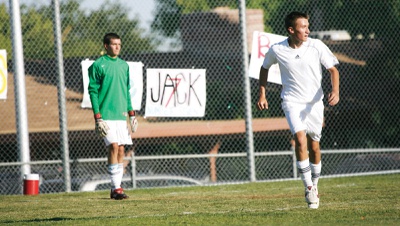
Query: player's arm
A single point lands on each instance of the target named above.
(93, 88)
(262, 101)
(334, 96)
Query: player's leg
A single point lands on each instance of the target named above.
(315, 160)
(314, 128)
(302, 163)
(115, 155)
(116, 178)
(295, 114)
(304, 168)
(123, 138)
(113, 167)
(314, 124)
(300, 140)
(114, 170)
(121, 155)
(113, 150)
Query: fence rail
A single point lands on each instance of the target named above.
(132, 177)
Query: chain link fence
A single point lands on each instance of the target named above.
(360, 135)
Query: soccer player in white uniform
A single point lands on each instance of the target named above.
(299, 58)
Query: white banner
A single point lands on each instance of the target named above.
(261, 44)
(176, 93)
(135, 78)
(3, 74)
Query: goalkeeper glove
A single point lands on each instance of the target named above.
(101, 126)
(133, 121)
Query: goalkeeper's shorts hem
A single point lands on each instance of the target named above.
(118, 133)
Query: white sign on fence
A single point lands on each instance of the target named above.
(176, 93)
(3, 74)
(261, 44)
(135, 78)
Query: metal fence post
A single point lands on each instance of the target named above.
(133, 170)
(61, 95)
(248, 115)
(19, 84)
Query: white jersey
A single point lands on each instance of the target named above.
(300, 69)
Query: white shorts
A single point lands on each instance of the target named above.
(306, 117)
(118, 132)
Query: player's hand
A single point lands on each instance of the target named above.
(133, 121)
(101, 127)
(333, 98)
(262, 103)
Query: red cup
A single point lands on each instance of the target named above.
(31, 184)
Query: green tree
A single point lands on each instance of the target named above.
(82, 32)
(37, 34)
(169, 12)
(5, 30)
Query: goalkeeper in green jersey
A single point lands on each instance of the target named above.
(111, 103)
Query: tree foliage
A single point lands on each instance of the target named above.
(5, 30)
(351, 15)
(82, 32)
(169, 12)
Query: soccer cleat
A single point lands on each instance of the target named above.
(118, 194)
(312, 197)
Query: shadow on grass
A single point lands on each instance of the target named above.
(54, 219)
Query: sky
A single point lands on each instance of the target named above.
(140, 9)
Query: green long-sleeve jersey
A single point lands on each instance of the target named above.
(109, 88)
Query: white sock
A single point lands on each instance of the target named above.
(315, 172)
(305, 172)
(118, 175)
(114, 174)
(121, 171)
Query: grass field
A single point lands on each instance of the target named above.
(365, 200)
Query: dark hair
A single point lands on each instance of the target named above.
(107, 38)
(290, 19)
